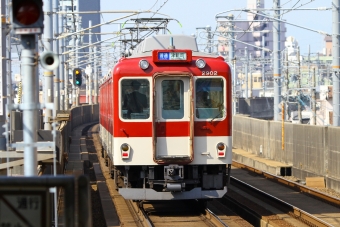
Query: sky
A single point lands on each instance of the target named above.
(200, 13)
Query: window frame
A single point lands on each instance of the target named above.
(181, 110)
(121, 99)
(224, 100)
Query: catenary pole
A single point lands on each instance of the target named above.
(56, 101)
(3, 88)
(30, 103)
(77, 51)
(336, 62)
(263, 67)
(55, 28)
(313, 117)
(66, 64)
(208, 28)
(246, 55)
(299, 86)
(73, 67)
(91, 65)
(95, 76)
(277, 56)
(231, 57)
(48, 75)
(62, 61)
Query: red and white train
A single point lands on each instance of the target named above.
(165, 121)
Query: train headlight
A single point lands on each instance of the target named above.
(221, 149)
(200, 63)
(143, 64)
(125, 150)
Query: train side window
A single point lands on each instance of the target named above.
(135, 99)
(209, 98)
(172, 99)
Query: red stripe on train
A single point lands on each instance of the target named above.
(172, 129)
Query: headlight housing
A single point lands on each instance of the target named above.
(200, 63)
(144, 64)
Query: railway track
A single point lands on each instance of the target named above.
(304, 205)
(179, 213)
(131, 213)
(235, 209)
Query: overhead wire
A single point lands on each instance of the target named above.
(303, 4)
(154, 13)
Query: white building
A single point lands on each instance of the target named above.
(259, 29)
(291, 45)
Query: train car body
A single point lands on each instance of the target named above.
(165, 121)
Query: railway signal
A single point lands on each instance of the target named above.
(77, 77)
(27, 17)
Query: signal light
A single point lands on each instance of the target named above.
(125, 149)
(77, 77)
(27, 16)
(221, 150)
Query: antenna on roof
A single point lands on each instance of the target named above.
(171, 43)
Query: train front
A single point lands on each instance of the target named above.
(172, 122)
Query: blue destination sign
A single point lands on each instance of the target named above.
(168, 56)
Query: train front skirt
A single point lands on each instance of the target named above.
(150, 194)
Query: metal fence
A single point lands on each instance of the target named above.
(311, 150)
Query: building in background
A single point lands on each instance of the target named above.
(258, 32)
(258, 28)
(81, 21)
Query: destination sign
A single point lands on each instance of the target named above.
(169, 56)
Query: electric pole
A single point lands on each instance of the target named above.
(277, 60)
(48, 74)
(246, 55)
(336, 62)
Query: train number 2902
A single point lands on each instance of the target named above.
(209, 73)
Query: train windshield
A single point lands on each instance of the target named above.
(172, 99)
(209, 98)
(135, 99)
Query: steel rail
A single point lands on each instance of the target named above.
(297, 213)
(213, 218)
(298, 187)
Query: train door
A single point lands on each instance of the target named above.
(173, 121)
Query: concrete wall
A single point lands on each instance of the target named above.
(84, 114)
(311, 150)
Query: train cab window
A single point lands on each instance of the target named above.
(172, 99)
(135, 99)
(209, 98)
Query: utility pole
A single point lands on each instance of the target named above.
(48, 74)
(313, 118)
(95, 76)
(263, 67)
(336, 62)
(231, 40)
(246, 55)
(62, 63)
(87, 87)
(90, 57)
(299, 87)
(77, 28)
(3, 81)
(74, 66)
(29, 115)
(277, 60)
(90, 60)
(287, 85)
(251, 82)
(232, 59)
(209, 39)
(56, 49)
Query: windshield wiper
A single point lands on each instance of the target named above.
(215, 117)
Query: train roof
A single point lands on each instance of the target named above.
(160, 42)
